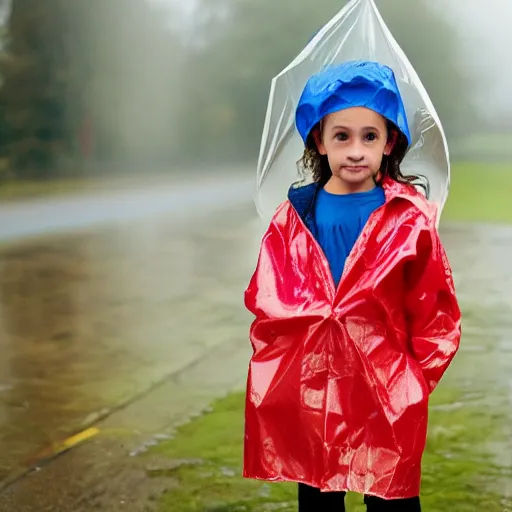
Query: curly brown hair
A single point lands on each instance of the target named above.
(316, 166)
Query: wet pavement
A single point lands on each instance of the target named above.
(90, 319)
(482, 371)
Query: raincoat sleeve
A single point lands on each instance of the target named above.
(434, 318)
(260, 295)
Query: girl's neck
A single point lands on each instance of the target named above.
(338, 186)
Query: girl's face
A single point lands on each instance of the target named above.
(354, 141)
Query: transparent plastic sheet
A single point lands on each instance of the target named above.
(357, 32)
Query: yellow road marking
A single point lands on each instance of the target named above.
(76, 439)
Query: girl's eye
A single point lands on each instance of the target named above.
(370, 137)
(342, 136)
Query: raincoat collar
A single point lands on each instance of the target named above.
(302, 198)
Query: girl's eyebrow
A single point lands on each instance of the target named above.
(365, 128)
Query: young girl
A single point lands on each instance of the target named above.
(356, 315)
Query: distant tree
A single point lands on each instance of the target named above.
(33, 88)
(77, 77)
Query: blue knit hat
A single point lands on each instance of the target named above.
(351, 84)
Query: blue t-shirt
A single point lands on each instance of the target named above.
(339, 221)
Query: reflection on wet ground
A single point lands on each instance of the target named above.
(90, 319)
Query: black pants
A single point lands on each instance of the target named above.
(312, 500)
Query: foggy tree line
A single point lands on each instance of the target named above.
(84, 81)
(88, 82)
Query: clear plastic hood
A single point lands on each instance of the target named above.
(357, 32)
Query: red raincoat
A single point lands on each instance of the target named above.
(340, 379)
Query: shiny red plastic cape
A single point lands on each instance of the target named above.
(339, 380)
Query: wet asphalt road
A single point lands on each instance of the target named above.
(108, 295)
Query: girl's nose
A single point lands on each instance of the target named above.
(355, 152)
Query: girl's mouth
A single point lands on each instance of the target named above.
(355, 168)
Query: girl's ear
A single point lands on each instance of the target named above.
(390, 145)
(317, 137)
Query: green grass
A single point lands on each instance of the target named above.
(457, 475)
(480, 192)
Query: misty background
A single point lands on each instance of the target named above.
(129, 136)
(124, 85)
